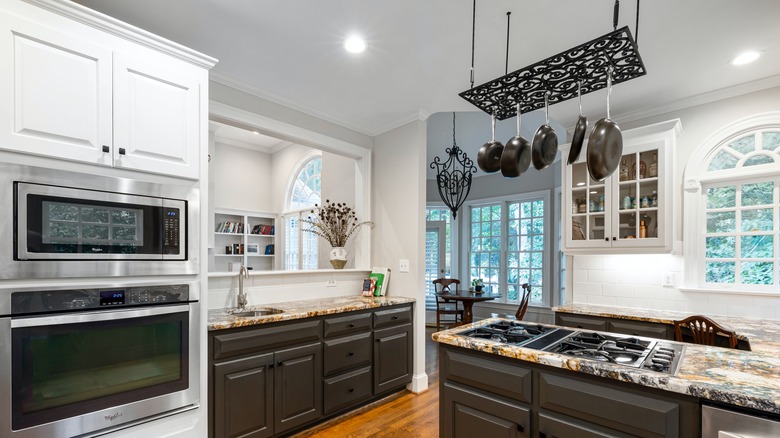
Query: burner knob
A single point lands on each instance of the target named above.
(658, 367)
(661, 361)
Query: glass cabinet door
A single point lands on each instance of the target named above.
(589, 204)
(637, 196)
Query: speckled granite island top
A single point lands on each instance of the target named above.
(220, 319)
(736, 377)
(763, 334)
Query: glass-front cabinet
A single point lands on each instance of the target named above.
(632, 208)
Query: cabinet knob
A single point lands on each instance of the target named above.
(351, 389)
(351, 324)
(614, 238)
(579, 325)
(121, 151)
(521, 428)
(542, 435)
(271, 365)
(350, 353)
(607, 239)
(106, 149)
(395, 317)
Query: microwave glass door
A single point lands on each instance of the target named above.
(66, 369)
(71, 224)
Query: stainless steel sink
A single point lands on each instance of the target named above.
(256, 312)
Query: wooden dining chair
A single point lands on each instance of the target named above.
(523, 305)
(703, 330)
(444, 307)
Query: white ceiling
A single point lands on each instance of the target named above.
(419, 52)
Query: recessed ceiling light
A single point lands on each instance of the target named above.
(745, 58)
(355, 44)
(255, 133)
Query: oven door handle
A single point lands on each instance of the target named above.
(83, 318)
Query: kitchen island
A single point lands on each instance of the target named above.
(570, 395)
(312, 360)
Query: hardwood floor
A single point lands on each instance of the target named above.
(400, 415)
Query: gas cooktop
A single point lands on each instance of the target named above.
(632, 351)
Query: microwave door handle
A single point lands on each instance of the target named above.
(83, 318)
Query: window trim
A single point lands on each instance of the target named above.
(548, 292)
(696, 176)
(302, 162)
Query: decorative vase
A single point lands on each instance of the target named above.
(338, 257)
(478, 289)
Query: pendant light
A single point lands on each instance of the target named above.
(453, 177)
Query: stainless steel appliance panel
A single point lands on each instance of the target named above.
(717, 422)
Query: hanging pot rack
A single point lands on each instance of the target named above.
(559, 75)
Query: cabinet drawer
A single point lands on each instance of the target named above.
(468, 412)
(624, 411)
(505, 379)
(347, 324)
(347, 389)
(558, 426)
(345, 353)
(384, 318)
(638, 328)
(247, 341)
(581, 322)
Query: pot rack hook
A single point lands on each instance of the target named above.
(615, 14)
(473, 32)
(636, 27)
(506, 67)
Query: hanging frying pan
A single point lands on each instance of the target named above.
(517, 153)
(605, 144)
(489, 155)
(579, 131)
(544, 147)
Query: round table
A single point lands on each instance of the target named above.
(468, 299)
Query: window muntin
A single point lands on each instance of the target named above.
(525, 249)
(757, 148)
(741, 233)
(301, 250)
(485, 246)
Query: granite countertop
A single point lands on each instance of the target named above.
(221, 319)
(742, 378)
(763, 334)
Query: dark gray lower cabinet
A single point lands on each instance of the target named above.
(297, 386)
(243, 397)
(484, 395)
(392, 357)
(615, 325)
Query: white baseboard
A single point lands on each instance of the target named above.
(419, 383)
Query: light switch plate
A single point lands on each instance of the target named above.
(668, 279)
(403, 265)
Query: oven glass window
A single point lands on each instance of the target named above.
(69, 223)
(69, 369)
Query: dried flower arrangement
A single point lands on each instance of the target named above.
(334, 223)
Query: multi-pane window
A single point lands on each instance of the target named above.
(525, 249)
(485, 254)
(301, 248)
(741, 234)
(735, 235)
(507, 248)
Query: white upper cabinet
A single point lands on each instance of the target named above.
(631, 210)
(85, 95)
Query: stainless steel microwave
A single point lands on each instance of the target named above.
(67, 224)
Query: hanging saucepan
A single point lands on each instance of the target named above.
(517, 153)
(489, 155)
(605, 144)
(579, 131)
(545, 144)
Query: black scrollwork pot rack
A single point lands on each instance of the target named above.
(586, 64)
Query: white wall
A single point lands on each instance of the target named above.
(399, 214)
(338, 185)
(242, 178)
(635, 280)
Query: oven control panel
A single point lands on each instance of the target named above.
(45, 301)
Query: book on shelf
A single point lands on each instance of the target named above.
(266, 230)
(269, 249)
(230, 227)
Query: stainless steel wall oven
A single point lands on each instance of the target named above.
(54, 221)
(76, 361)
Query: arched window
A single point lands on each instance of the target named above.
(300, 248)
(732, 208)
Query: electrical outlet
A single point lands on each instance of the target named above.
(668, 279)
(330, 283)
(403, 265)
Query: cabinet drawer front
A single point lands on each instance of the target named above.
(467, 412)
(635, 328)
(620, 410)
(345, 353)
(347, 324)
(500, 378)
(557, 426)
(581, 322)
(256, 339)
(384, 318)
(347, 389)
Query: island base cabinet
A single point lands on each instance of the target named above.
(558, 426)
(297, 386)
(467, 413)
(243, 401)
(392, 357)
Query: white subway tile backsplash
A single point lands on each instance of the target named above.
(601, 300)
(602, 276)
(581, 275)
(618, 290)
(650, 292)
(588, 262)
(588, 288)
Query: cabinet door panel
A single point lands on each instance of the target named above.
(57, 93)
(297, 386)
(243, 397)
(156, 106)
(470, 413)
(554, 426)
(392, 358)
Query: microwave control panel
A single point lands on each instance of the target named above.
(43, 301)
(170, 232)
